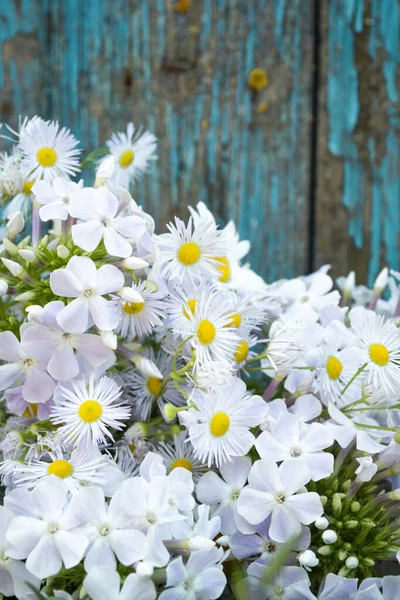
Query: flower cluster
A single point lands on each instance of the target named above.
(173, 426)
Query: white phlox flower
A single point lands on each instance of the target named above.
(104, 583)
(54, 197)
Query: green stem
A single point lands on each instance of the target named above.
(353, 378)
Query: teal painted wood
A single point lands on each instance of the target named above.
(184, 76)
(359, 142)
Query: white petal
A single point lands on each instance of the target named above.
(136, 588)
(63, 364)
(294, 474)
(9, 346)
(24, 533)
(109, 279)
(44, 560)
(211, 489)
(102, 583)
(8, 374)
(92, 348)
(87, 235)
(264, 475)
(284, 525)
(65, 283)
(84, 269)
(71, 547)
(103, 312)
(54, 210)
(6, 583)
(130, 227)
(255, 506)
(83, 205)
(235, 472)
(210, 583)
(129, 545)
(115, 244)
(75, 316)
(305, 507)
(100, 554)
(49, 497)
(38, 386)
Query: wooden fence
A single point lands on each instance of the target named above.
(307, 165)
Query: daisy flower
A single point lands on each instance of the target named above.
(81, 467)
(213, 336)
(86, 411)
(378, 342)
(48, 151)
(181, 454)
(337, 365)
(139, 318)
(143, 389)
(191, 251)
(133, 151)
(224, 417)
(182, 302)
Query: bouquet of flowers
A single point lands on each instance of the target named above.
(173, 426)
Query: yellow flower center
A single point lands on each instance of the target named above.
(132, 447)
(235, 321)
(154, 385)
(61, 468)
(133, 308)
(46, 157)
(206, 332)
(183, 463)
(224, 268)
(242, 351)
(334, 367)
(30, 411)
(189, 253)
(126, 159)
(258, 79)
(90, 411)
(219, 424)
(379, 354)
(192, 306)
(27, 189)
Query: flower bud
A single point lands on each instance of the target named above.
(35, 312)
(62, 251)
(52, 245)
(336, 505)
(199, 542)
(329, 536)
(321, 523)
(14, 268)
(308, 559)
(11, 248)
(25, 296)
(152, 286)
(352, 524)
(3, 287)
(352, 562)
(16, 223)
(147, 367)
(324, 550)
(381, 281)
(355, 506)
(223, 541)
(170, 412)
(397, 437)
(144, 570)
(134, 263)
(27, 255)
(349, 284)
(109, 339)
(132, 296)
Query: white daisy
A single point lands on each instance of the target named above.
(191, 251)
(48, 151)
(182, 302)
(378, 341)
(242, 351)
(213, 336)
(224, 417)
(336, 367)
(139, 318)
(86, 411)
(143, 389)
(81, 467)
(181, 454)
(133, 151)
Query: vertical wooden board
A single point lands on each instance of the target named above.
(358, 194)
(184, 76)
(23, 32)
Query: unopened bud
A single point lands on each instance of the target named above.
(25, 296)
(105, 171)
(134, 263)
(52, 245)
(352, 524)
(16, 223)
(349, 284)
(131, 295)
(11, 248)
(170, 412)
(109, 339)
(336, 505)
(397, 437)
(3, 287)
(355, 506)
(324, 550)
(308, 559)
(152, 286)
(369, 562)
(199, 542)
(352, 562)
(329, 536)
(324, 500)
(223, 541)
(322, 523)
(144, 570)
(14, 268)
(342, 555)
(381, 281)
(27, 255)
(62, 251)
(147, 367)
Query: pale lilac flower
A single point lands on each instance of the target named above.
(24, 363)
(100, 210)
(81, 280)
(367, 468)
(272, 491)
(54, 197)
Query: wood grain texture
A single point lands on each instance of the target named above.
(184, 76)
(358, 196)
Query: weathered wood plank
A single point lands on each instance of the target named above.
(23, 33)
(358, 224)
(184, 75)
